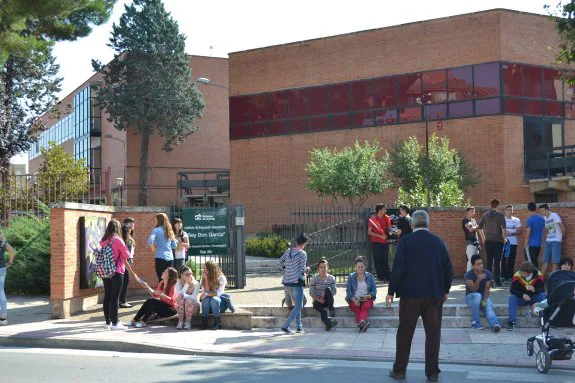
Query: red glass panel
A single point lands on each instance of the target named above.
(362, 119)
(340, 98)
(259, 107)
(319, 100)
(532, 81)
(552, 84)
(299, 126)
(512, 106)
(436, 112)
(385, 92)
(386, 117)
(239, 108)
(409, 89)
(554, 109)
(511, 80)
(318, 124)
(410, 114)
(487, 107)
(434, 86)
(461, 109)
(258, 130)
(486, 80)
(362, 93)
(341, 121)
(238, 132)
(277, 128)
(570, 111)
(298, 102)
(460, 83)
(533, 107)
(278, 105)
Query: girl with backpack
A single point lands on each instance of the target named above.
(183, 243)
(4, 266)
(162, 241)
(162, 301)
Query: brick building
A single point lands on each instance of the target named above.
(490, 77)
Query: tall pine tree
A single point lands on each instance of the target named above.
(149, 84)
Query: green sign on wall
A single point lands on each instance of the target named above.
(207, 229)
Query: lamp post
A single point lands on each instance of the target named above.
(207, 81)
(427, 180)
(119, 180)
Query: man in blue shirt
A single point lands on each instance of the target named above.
(533, 235)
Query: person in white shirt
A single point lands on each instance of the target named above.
(187, 289)
(513, 228)
(554, 232)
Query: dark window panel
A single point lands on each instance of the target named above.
(299, 126)
(318, 124)
(386, 117)
(258, 130)
(511, 80)
(259, 107)
(460, 83)
(278, 105)
(340, 98)
(239, 107)
(362, 94)
(410, 114)
(532, 81)
(362, 119)
(385, 92)
(554, 109)
(552, 84)
(437, 112)
(319, 100)
(409, 89)
(298, 102)
(434, 86)
(486, 80)
(488, 107)
(512, 106)
(570, 111)
(239, 131)
(341, 121)
(461, 109)
(534, 108)
(277, 128)
(568, 89)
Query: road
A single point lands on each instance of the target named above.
(47, 365)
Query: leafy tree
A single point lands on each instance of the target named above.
(448, 173)
(149, 84)
(352, 173)
(61, 178)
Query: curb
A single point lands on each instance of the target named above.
(123, 346)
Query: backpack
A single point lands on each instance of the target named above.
(103, 263)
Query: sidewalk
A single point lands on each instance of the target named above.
(30, 326)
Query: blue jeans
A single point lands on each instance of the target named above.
(296, 293)
(473, 301)
(515, 301)
(3, 301)
(211, 304)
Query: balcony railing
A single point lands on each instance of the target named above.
(550, 162)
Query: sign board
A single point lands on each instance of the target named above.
(240, 221)
(208, 229)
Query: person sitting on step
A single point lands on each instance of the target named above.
(360, 293)
(477, 285)
(322, 288)
(527, 288)
(187, 289)
(162, 301)
(213, 285)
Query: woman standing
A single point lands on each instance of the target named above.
(183, 243)
(213, 285)
(162, 301)
(128, 238)
(360, 293)
(322, 288)
(4, 266)
(162, 241)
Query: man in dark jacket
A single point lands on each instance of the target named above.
(493, 226)
(421, 278)
(527, 288)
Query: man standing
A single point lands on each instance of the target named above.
(512, 230)
(404, 222)
(533, 235)
(469, 226)
(493, 226)
(477, 286)
(421, 279)
(555, 231)
(378, 230)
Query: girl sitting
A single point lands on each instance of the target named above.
(322, 288)
(187, 305)
(360, 293)
(213, 285)
(162, 301)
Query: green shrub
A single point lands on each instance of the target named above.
(269, 246)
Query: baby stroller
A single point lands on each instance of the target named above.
(560, 312)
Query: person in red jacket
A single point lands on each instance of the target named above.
(378, 228)
(162, 301)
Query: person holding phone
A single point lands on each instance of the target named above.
(477, 286)
(162, 301)
(322, 288)
(4, 266)
(360, 293)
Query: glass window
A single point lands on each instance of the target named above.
(552, 84)
(239, 107)
(460, 83)
(410, 114)
(437, 112)
(532, 107)
(461, 109)
(486, 80)
(239, 131)
(319, 100)
(258, 107)
(340, 98)
(512, 106)
(278, 105)
(386, 117)
(318, 124)
(299, 125)
(554, 109)
(487, 107)
(385, 92)
(362, 119)
(409, 89)
(532, 81)
(258, 129)
(341, 121)
(570, 111)
(434, 86)
(277, 128)
(362, 94)
(511, 80)
(298, 102)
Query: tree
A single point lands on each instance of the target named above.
(149, 84)
(61, 178)
(448, 172)
(352, 173)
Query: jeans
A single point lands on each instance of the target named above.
(211, 304)
(508, 267)
(533, 255)
(493, 250)
(3, 301)
(320, 307)
(296, 293)
(112, 287)
(226, 303)
(125, 284)
(380, 253)
(161, 265)
(470, 251)
(515, 301)
(152, 305)
(473, 301)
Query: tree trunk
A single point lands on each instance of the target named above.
(143, 192)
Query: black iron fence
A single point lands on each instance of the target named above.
(550, 162)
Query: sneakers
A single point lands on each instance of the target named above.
(108, 326)
(300, 331)
(496, 327)
(140, 325)
(367, 324)
(331, 324)
(188, 325)
(118, 326)
(3, 322)
(476, 325)
(180, 326)
(287, 331)
(511, 326)
(125, 305)
(361, 325)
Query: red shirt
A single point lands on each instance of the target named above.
(379, 226)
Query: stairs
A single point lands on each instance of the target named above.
(258, 265)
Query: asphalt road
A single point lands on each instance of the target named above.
(46, 365)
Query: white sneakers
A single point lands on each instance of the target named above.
(180, 326)
(118, 326)
(3, 322)
(188, 325)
